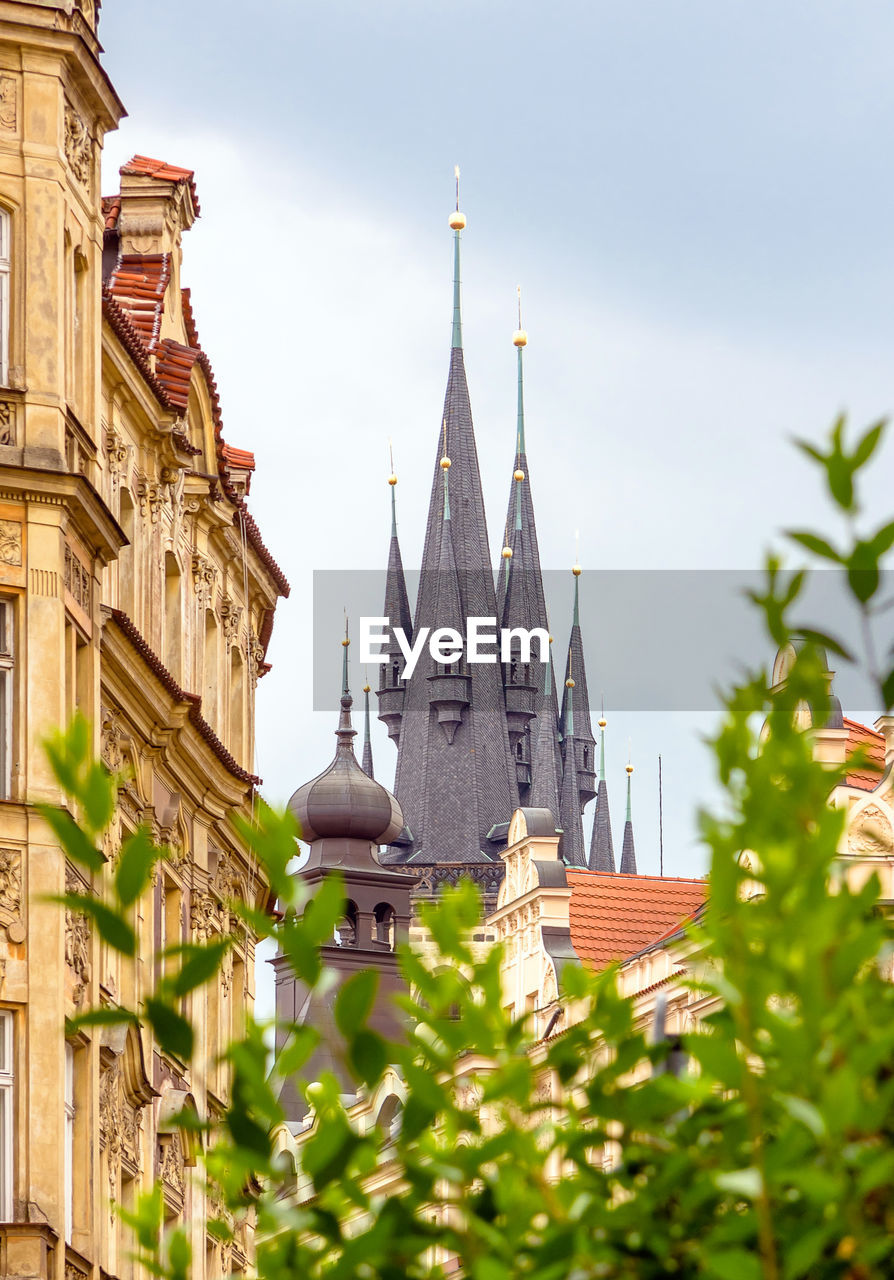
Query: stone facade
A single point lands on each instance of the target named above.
(133, 588)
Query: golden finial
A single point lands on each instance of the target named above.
(575, 568)
(519, 475)
(392, 479)
(507, 552)
(445, 460)
(569, 683)
(520, 337)
(629, 769)
(602, 720)
(366, 688)
(457, 220)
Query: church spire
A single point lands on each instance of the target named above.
(391, 689)
(628, 850)
(602, 851)
(457, 224)
(576, 701)
(571, 844)
(547, 759)
(464, 750)
(367, 762)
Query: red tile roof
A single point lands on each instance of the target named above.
(173, 368)
(614, 916)
(872, 744)
(138, 285)
(149, 168)
(241, 459)
(111, 207)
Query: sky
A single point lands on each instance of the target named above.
(697, 200)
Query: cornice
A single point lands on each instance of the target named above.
(72, 491)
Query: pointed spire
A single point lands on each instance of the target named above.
(520, 341)
(628, 849)
(546, 763)
(397, 609)
(367, 762)
(457, 223)
(575, 718)
(602, 850)
(345, 731)
(571, 845)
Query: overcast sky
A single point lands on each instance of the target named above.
(697, 199)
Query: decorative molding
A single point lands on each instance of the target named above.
(230, 616)
(7, 410)
(204, 916)
(870, 832)
(151, 498)
(44, 582)
(10, 542)
(77, 942)
(11, 894)
(78, 146)
(204, 573)
(8, 104)
(77, 580)
(170, 1163)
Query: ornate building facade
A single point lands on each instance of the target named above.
(135, 589)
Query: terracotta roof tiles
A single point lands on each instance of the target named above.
(614, 916)
(861, 737)
(145, 166)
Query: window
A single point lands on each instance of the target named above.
(69, 1139)
(7, 1098)
(6, 697)
(173, 619)
(5, 238)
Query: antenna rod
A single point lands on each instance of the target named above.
(660, 822)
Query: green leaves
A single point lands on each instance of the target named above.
(138, 857)
(110, 925)
(174, 1033)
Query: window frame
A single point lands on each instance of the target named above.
(7, 692)
(5, 292)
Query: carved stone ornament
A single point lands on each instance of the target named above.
(7, 104)
(11, 894)
(204, 916)
(77, 580)
(170, 1165)
(151, 498)
(7, 416)
(870, 832)
(230, 614)
(116, 452)
(10, 542)
(255, 658)
(77, 941)
(204, 575)
(110, 1121)
(78, 145)
(115, 740)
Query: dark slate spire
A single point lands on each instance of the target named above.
(576, 694)
(367, 764)
(397, 608)
(521, 597)
(571, 844)
(453, 793)
(628, 849)
(546, 765)
(602, 850)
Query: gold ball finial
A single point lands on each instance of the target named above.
(457, 220)
(366, 688)
(576, 570)
(602, 722)
(569, 683)
(507, 553)
(345, 643)
(629, 770)
(519, 475)
(520, 338)
(445, 463)
(551, 639)
(392, 479)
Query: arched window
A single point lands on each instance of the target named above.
(390, 1119)
(385, 918)
(346, 929)
(173, 620)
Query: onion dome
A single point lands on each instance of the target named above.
(343, 802)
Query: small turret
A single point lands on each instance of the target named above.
(602, 851)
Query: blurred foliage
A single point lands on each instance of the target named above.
(769, 1154)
